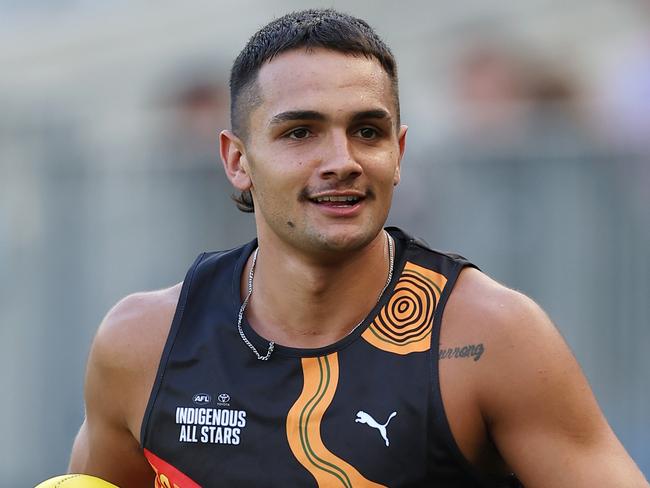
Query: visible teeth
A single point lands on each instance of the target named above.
(337, 199)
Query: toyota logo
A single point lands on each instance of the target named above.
(224, 398)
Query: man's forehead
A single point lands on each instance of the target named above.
(320, 78)
(299, 64)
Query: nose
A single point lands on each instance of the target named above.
(338, 161)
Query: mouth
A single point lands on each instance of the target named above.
(337, 200)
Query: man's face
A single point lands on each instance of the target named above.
(323, 152)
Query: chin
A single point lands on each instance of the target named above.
(347, 239)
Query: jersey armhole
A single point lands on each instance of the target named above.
(440, 424)
(169, 344)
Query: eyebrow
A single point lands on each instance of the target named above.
(371, 114)
(296, 115)
(292, 115)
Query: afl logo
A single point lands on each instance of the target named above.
(201, 399)
(224, 398)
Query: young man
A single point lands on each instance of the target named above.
(319, 354)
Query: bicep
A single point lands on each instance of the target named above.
(106, 446)
(99, 451)
(111, 454)
(542, 414)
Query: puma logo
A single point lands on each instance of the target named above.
(365, 418)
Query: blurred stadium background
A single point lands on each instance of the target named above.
(529, 152)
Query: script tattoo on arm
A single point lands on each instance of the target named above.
(474, 351)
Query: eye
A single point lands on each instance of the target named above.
(299, 133)
(368, 133)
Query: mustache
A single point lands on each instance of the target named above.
(307, 192)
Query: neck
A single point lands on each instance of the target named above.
(308, 303)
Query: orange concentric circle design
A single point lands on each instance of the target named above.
(409, 310)
(404, 324)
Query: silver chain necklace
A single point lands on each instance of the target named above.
(251, 273)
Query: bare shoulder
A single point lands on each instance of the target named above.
(483, 306)
(499, 322)
(521, 346)
(135, 325)
(128, 346)
(525, 393)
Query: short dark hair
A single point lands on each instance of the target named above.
(308, 29)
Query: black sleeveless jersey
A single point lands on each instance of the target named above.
(363, 412)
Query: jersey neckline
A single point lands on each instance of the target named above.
(261, 344)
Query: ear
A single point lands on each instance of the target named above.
(401, 141)
(234, 160)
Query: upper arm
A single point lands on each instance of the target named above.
(538, 406)
(121, 367)
(108, 452)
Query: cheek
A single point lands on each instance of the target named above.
(384, 169)
(274, 189)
